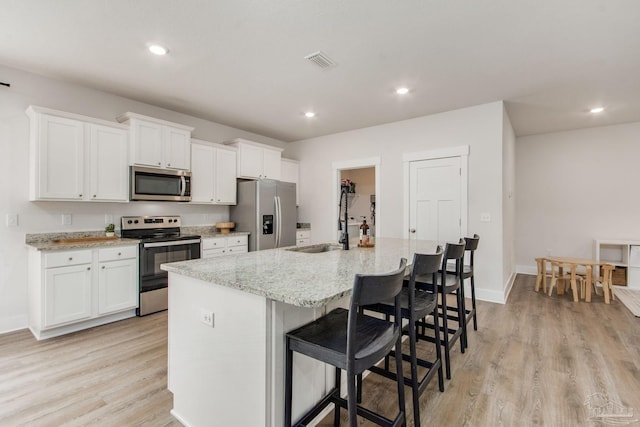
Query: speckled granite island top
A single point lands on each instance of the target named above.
(297, 278)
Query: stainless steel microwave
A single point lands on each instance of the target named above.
(160, 184)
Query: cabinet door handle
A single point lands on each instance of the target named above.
(79, 195)
(158, 163)
(168, 164)
(103, 267)
(119, 253)
(70, 258)
(94, 196)
(88, 268)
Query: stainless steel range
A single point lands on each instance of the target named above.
(161, 241)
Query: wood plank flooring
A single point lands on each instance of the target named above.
(537, 360)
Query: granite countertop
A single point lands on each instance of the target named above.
(47, 241)
(297, 278)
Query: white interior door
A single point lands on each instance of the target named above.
(435, 192)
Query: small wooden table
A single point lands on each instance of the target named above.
(573, 263)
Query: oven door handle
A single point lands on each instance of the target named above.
(173, 243)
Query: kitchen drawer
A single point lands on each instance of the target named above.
(214, 242)
(303, 242)
(303, 234)
(63, 259)
(113, 254)
(212, 253)
(238, 241)
(237, 249)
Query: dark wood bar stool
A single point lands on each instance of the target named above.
(416, 305)
(448, 284)
(471, 245)
(352, 341)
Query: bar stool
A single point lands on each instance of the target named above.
(352, 341)
(416, 305)
(471, 245)
(449, 284)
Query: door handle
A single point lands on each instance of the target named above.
(412, 230)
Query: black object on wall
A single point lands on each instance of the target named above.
(5, 84)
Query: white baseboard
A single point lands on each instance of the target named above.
(14, 323)
(527, 269)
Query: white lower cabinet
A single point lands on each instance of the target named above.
(220, 246)
(117, 271)
(73, 290)
(67, 294)
(303, 237)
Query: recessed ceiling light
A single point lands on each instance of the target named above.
(597, 110)
(402, 90)
(156, 49)
(309, 114)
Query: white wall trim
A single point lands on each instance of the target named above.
(461, 151)
(358, 164)
(509, 286)
(527, 269)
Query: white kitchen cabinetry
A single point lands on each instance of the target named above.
(213, 173)
(158, 143)
(74, 290)
(257, 161)
(289, 172)
(625, 255)
(67, 287)
(303, 237)
(117, 270)
(220, 246)
(75, 157)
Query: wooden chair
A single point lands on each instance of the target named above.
(543, 275)
(353, 341)
(605, 279)
(559, 272)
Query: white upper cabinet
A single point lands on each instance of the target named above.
(257, 161)
(75, 157)
(158, 143)
(109, 170)
(213, 173)
(290, 170)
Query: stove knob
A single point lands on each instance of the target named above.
(135, 222)
(129, 222)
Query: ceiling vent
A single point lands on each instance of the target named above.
(321, 60)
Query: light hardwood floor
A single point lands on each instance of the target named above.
(534, 361)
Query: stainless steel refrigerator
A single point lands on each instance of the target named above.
(267, 210)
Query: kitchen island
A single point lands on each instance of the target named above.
(232, 373)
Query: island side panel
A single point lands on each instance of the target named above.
(217, 373)
(310, 378)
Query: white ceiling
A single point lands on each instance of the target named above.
(241, 62)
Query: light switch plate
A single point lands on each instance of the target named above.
(12, 220)
(485, 217)
(66, 219)
(206, 317)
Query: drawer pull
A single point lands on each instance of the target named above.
(70, 258)
(103, 267)
(88, 268)
(119, 253)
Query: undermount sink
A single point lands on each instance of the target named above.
(316, 249)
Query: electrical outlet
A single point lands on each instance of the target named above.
(12, 220)
(485, 217)
(66, 219)
(206, 317)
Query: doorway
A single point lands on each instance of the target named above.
(436, 191)
(363, 201)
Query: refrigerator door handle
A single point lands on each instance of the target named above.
(278, 222)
